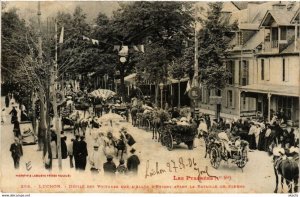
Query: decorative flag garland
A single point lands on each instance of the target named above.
(123, 50)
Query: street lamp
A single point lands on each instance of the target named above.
(123, 59)
(161, 86)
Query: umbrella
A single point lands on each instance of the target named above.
(102, 93)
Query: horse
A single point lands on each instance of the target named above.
(288, 169)
(134, 111)
(155, 124)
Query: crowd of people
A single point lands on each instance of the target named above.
(261, 135)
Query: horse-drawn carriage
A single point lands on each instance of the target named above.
(216, 148)
(173, 132)
(122, 110)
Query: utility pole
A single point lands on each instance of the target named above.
(41, 129)
(54, 104)
(196, 65)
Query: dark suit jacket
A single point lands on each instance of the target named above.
(16, 150)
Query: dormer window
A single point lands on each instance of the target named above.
(283, 31)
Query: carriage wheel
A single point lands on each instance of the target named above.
(168, 141)
(215, 158)
(242, 162)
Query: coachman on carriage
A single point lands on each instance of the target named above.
(178, 132)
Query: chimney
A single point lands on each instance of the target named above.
(279, 6)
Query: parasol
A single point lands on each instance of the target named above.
(102, 93)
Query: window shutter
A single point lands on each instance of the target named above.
(267, 70)
(226, 98)
(233, 99)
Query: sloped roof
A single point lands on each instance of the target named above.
(295, 16)
(240, 4)
(254, 41)
(256, 16)
(229, 7)
(290, 48)
(281, 17)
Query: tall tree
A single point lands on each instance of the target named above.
(164, 23)
(213, 41)
(13, 43)
(153, 66)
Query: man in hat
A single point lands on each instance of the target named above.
(94, 160)
(133, 162)
(175, 113)
(76, 151)
(109, 167)
(16, 152)
(130, 139)
(122, 169)
(82, 153)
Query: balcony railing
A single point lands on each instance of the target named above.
(274, 43)
(271, 46)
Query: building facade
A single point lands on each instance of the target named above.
(264, 63)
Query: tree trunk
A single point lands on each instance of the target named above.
(156, 94)
(122, 82)
(33, 100)
(179, 94)
(42, 123)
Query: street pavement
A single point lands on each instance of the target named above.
(158, 165)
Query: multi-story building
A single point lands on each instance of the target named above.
(265, 65)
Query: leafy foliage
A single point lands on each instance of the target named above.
(213, 42)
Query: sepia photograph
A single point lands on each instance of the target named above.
(168, 97)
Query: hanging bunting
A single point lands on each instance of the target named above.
(123, 51)
(116, 48)
(95, 41)
(85, 38)
(135, 48)
(61, 37)
(141, 48)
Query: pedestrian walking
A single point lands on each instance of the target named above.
(95, 160)
(3, 114)
(133, 162)
(16, 130)
(251, 136)
(14, 115)
(53, 142)
(76, 151)
(7, 99)
(83, 153)
(16, 152)
(109, 167)
(70, 152)
(64, 150)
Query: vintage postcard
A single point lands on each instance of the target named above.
(150, 96)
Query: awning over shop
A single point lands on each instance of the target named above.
(131, 79)
(177, 81)
(273, 89)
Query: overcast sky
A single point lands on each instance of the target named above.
(28, 9)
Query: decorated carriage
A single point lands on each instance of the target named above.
(217, 151)
(178, 133)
